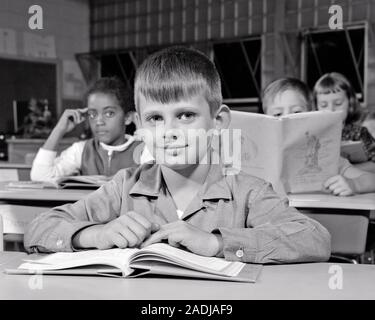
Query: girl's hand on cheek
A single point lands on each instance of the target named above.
(70, 119)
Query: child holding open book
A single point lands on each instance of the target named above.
(185, 197)
(290, 95)
(107, 152)
(333, 92)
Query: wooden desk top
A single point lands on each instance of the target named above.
(315, 200)
(8, 165)
(68, 195)
(296, 281)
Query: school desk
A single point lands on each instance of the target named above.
(41, 195)
(294, 281)
(364, 202)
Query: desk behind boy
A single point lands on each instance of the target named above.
(364, 201)
(50, 197)
(346, 218)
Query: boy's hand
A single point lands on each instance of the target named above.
(127, 231)
(183, 233)
(70, 119)
(339, 186)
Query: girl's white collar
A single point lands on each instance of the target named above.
(119, 148)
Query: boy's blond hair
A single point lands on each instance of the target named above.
(177, 73)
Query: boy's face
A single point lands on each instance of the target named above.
(289, 101)
(337, 101)
(106, 118)
(178, 133)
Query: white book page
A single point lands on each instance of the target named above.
(311, 150)
(118, 258)
(261, 147)
(194, 261)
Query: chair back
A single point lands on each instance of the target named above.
(348, 232)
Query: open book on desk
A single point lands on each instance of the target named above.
(296, 152)
(157, 259)
(69, 182)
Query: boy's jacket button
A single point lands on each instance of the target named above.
(239, 253)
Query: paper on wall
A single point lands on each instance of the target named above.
(8, 43)
(39, 46)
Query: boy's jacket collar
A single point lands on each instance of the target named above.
(150, 183)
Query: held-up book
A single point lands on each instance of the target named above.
(157, 259)
(296, 152)
(354, 151)
(70, 182)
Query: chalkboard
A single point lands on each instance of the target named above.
(20, 80)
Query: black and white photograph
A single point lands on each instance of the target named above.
(184, 156)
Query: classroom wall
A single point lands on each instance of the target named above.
(306, 14)
(139, 23)
(65, 33)
(123, 24)
(127, 24)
